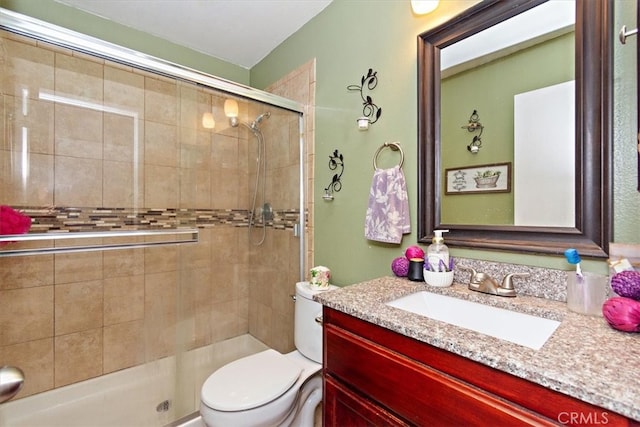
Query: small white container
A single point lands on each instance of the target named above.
(320, 277)
(438, 279)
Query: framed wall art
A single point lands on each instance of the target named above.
(491, 178)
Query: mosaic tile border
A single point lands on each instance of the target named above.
(91, 219)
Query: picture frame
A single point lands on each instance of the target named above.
(489, 178)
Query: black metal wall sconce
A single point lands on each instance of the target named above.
(371, 112)
(474, 125)
(335, 160)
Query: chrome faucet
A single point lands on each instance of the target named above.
(482, 282)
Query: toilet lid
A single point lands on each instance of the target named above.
(250, 382)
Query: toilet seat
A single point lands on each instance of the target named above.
(250, 382)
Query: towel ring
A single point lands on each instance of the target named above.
(395, 146)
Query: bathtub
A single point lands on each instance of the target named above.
(145, 395)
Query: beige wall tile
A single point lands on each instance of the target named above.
(123, 346)
(123, 184)
(30, 316)
(26, 186)
(262, 330)
(281, 300)
(28, 125)
(28, 67)
(223, 279)
(195, 175)
(123, 262)
(78, 182)
(124, 299)
(160, 101)
(224, 320)
(195, 298)
(196, 255)
(123, 138)
(160, 259)
(78, 357)
(123, 89)
(26, 272)
(190, 113)
(88, 57)
(225, 247)
(78, 267)
(78, 307)
(35, 358)
(226, 189)
(224, 152)
(78, 132)
(243, 315)
(197, 156)
(161, 186)
(160, 314)
(195, 188)
(281, 332)
(202, 330)
(161, 144)
(79, 79)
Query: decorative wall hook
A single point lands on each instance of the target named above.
(371, 112)
(335, 160)
(474, 125)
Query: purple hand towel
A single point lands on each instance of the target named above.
(387, 217)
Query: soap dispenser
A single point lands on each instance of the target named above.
(437, 252)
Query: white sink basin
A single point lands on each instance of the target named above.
(518, 328)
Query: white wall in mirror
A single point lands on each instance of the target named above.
(543, 19)
(544, 155)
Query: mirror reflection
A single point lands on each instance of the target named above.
(469, 168)
(508, 122)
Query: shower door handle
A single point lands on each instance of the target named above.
(11, 381)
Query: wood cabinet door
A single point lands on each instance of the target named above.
(343, 407)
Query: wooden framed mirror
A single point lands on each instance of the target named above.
(591, 231)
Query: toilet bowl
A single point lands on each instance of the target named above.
(270, 388)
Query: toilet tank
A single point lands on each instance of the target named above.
(308, 326)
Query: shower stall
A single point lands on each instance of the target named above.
(166, 235)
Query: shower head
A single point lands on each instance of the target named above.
(259, 119)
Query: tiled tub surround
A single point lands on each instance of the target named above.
(584, 358)
(137, 158)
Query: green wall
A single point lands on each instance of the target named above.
(490, 89)
(348, 38)
(74, 19)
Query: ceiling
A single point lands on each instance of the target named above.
(241, 32)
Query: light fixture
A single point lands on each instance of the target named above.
(422, 7)
(474, 125)
(371, 112)
(231, 111)
(208, 122)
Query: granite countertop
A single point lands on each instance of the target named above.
(584, 358)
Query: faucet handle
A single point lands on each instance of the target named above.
(507, 282)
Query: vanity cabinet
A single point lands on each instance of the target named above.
(376, 377)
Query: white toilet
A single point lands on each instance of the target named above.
(271, 388)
